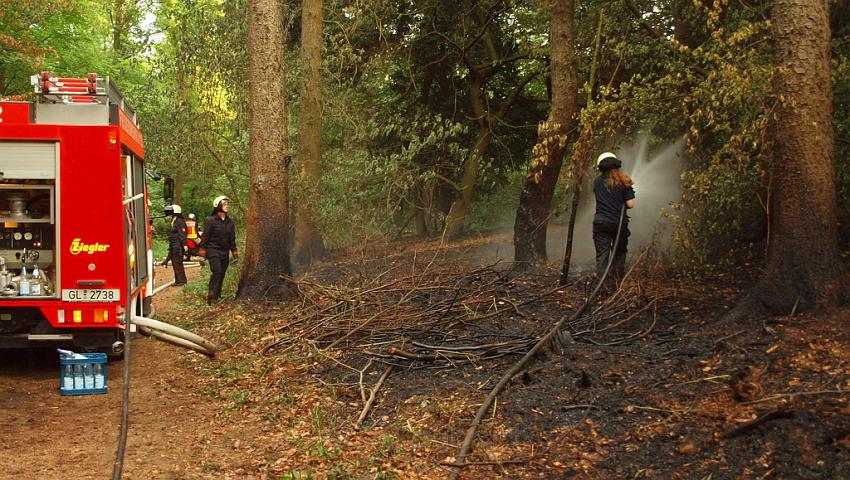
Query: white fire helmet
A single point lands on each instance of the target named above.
(191, 216)
(176, 209)
(607, 161)
(603, 157)
(219, 199)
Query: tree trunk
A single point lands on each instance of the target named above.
(460, 206)
(420, 208)
(457, 213)
(803, 263)
(117, 25)
(266, 256)
(309, 244)
(580, 158)
(532, 216)
(179, 184)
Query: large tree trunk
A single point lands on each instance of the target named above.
(532, 216)
(309, 245)
(803, 262)
(266, 256)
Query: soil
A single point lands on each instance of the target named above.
(656, 382)
(46, 435)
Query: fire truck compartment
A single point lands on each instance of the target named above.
(27, 239)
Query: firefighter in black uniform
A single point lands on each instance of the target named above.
(218, 238)
(177, 242)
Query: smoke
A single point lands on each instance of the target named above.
(656, 175)
(657, 184)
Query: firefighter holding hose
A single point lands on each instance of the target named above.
(614, 194)
(217, 240)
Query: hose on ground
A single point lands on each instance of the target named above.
(175, 335)
(162, 287)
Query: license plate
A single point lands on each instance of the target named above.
(90, 295)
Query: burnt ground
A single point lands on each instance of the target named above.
(655, 384)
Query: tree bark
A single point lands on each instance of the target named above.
(803, 263)
(309, 245)
(266, 257)
(460, 206)
(179, 184)
(117, 25)
(532, 216)
(580, 152)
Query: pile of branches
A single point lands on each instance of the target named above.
(434, 318)
(414, 318)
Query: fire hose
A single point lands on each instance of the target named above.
(162, 331)
(172, 334)
(176, 335)
(555, 332)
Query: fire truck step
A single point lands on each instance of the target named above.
(49, 337)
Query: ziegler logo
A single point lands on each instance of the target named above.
(78, 247)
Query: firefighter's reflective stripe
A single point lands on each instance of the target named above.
(191, 229)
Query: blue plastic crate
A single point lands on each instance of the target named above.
(83, 376)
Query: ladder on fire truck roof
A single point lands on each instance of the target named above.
(80, 91)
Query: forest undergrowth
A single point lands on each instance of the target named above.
(377, 368)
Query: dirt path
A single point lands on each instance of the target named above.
(45, 435)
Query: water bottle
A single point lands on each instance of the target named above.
(24, 285)
(88, 375)
(78, 377)
(67, 377)
(35, 287)
(97, 371)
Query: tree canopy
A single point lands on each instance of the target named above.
(430, 108)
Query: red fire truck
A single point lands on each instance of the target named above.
(75, 239)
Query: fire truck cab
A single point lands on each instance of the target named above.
(74, 224)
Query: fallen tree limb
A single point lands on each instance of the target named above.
(797, 394)
(752, 424)
(466, 446)
(372, 395)
(553, 333)
(495, 462)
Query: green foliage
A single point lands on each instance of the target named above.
(398, 121)
(497, 208)
(62, 36)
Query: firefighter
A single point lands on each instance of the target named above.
(192, 236)
(177, 242)
(217, 239)
(614, 193)
(192, 227)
